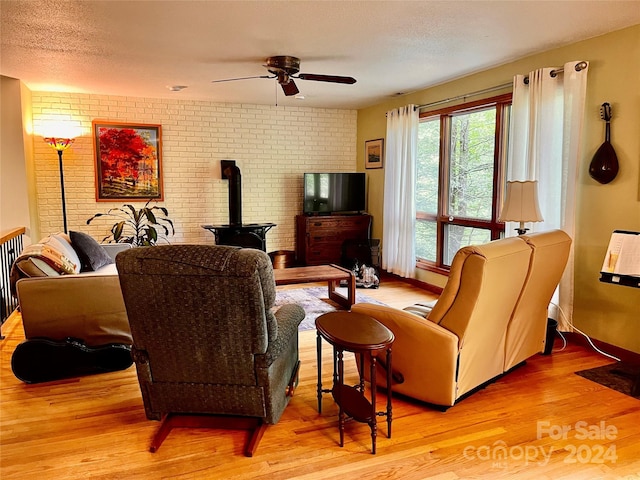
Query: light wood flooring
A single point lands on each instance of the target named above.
(95, 427)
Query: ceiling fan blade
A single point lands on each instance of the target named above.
(290, 88)
(242, 78)
(327, 78)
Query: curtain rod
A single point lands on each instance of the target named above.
(460, 97)
(579, 66)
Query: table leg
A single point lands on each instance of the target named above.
(351, 290)
(335, 366)
(348, 300)
(319, 355)
(374, 421)
(361, 385)
(389, 413)
(341, 415)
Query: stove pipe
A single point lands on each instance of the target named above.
(232, 172)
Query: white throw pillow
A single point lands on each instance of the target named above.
(59, 243)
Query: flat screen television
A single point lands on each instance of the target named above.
(326, 193)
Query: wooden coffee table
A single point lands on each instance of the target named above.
(332, 274)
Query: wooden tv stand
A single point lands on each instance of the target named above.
(319, 238)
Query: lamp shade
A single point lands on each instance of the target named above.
(521, 203)
(59, 144)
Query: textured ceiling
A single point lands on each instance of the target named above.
(139, 48)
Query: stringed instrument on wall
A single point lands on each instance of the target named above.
(604, 165)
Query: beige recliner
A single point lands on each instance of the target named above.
(527, 332)
(467, 338)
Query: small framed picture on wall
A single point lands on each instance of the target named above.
(374, 153)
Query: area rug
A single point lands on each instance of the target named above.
(315, 301)
(617, 376)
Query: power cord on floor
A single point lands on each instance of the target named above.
(594, 347)
(564, 340)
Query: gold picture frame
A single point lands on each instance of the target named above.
(374, 153)
(128, 158)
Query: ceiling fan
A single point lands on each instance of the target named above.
(285, 68)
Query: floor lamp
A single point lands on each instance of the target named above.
(521, 204)
(60, 145)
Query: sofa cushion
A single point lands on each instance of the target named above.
(109, 269)
(92, 255)
(35, 267)
(48, 258)
(62, 244)
(50, 252)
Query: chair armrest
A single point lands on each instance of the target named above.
(88, 307)
(288, 318)
(424, 354)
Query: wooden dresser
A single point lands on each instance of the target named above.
(319, 238)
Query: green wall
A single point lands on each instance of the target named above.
(606, 312)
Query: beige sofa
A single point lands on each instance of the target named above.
(85, 305)
(491, 316)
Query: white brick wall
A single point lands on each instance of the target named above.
(272, 146)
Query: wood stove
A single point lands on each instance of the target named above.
(236, 233)
(247, 235)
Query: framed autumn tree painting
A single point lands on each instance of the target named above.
(128, 161)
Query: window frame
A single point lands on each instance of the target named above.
(496, 228)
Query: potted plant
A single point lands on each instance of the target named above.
(139, 227)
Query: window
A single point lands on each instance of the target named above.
(459, 178)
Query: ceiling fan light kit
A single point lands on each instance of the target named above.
(285, 68)
(283, 63)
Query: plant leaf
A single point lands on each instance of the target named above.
(133, 213)
(164, 210)
(170, 223)
(117, 231)
(95, 216)
(150, 216)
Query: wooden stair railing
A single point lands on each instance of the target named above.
(11, 243)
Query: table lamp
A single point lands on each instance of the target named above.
(521, 204)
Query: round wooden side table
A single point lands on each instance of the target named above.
(361, 335)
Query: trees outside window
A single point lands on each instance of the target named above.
(460, 178)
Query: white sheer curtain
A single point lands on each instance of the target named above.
(546, 128)
(398, 233)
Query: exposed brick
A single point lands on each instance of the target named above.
(273, 146)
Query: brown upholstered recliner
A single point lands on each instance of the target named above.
(474, 332)
(206, 345)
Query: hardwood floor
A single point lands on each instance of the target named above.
(95, 427)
